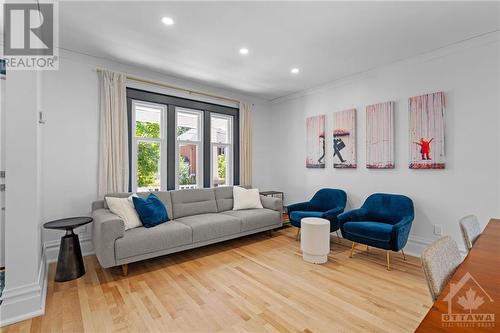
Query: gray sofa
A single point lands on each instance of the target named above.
(197, 217)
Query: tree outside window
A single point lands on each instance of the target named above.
(148, 155)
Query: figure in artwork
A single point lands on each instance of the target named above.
(338, 145)
(425, 148)
(321, 160)
(344, 139)
(426, 139)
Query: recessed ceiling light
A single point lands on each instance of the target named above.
(295, 70)
(167, 20)
(243, 50)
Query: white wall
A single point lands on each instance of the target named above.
(469, 74)
(71, 136)
(23, 296)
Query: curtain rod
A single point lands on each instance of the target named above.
(169, 86)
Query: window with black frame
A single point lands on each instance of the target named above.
(177, 143)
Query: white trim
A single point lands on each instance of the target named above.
(229, 146)
(162, 140)
(26, 301)
(416, 245)
(198, 143)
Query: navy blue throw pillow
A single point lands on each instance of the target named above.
(151, 211)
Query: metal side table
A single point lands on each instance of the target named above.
(70, 261)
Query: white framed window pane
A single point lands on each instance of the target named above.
(147, 120)
(148, 166)
(220, 166)
(188, 125)
(188, 172)
(220, 129)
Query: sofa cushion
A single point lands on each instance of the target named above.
(115, 195)
(255, 218)
(210, 226)
(246, 198)
(164, 197)
(146, 240)
(125, 209)
(224, 198)
(376, 231)
(151, 210)
(193, 202)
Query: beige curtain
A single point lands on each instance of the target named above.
(245, 143)
(113, 134)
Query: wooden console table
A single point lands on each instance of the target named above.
(476, 283)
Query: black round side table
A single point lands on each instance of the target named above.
(70, 262)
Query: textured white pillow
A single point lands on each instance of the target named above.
(246, 199)
(124, 208)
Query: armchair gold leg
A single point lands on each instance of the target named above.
(388, 261)
(352, 249)
(403, 252)
(298, 234)
(338, 237)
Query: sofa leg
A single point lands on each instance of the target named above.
(403, 252)
(298, 234)
(388, 261)
(125, 269)
(367, 248)
(352, 249)
(338, 237)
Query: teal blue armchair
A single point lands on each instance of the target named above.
(384, 221)
(327, 203)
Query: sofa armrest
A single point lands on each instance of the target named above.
(272, 203)
(401, 232)
(98, 205)
(108, 227)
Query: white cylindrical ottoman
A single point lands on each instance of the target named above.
(315, 239)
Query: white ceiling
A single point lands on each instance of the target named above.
(327, 41)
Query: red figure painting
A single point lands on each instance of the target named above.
(425, 148)
(426, 139)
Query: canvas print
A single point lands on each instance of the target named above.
(315, 141)
(2, 69)
(427, 131)
(344, 139)
(380, 136)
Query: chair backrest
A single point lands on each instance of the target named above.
(388, 208)
(471, 229)
(439, 261)
(328, 198)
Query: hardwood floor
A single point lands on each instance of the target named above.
(252, 284)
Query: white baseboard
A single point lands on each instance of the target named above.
(416, 245)
(26, 301)
(52, 247)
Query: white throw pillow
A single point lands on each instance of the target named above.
(124, 208)
(246, 199)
